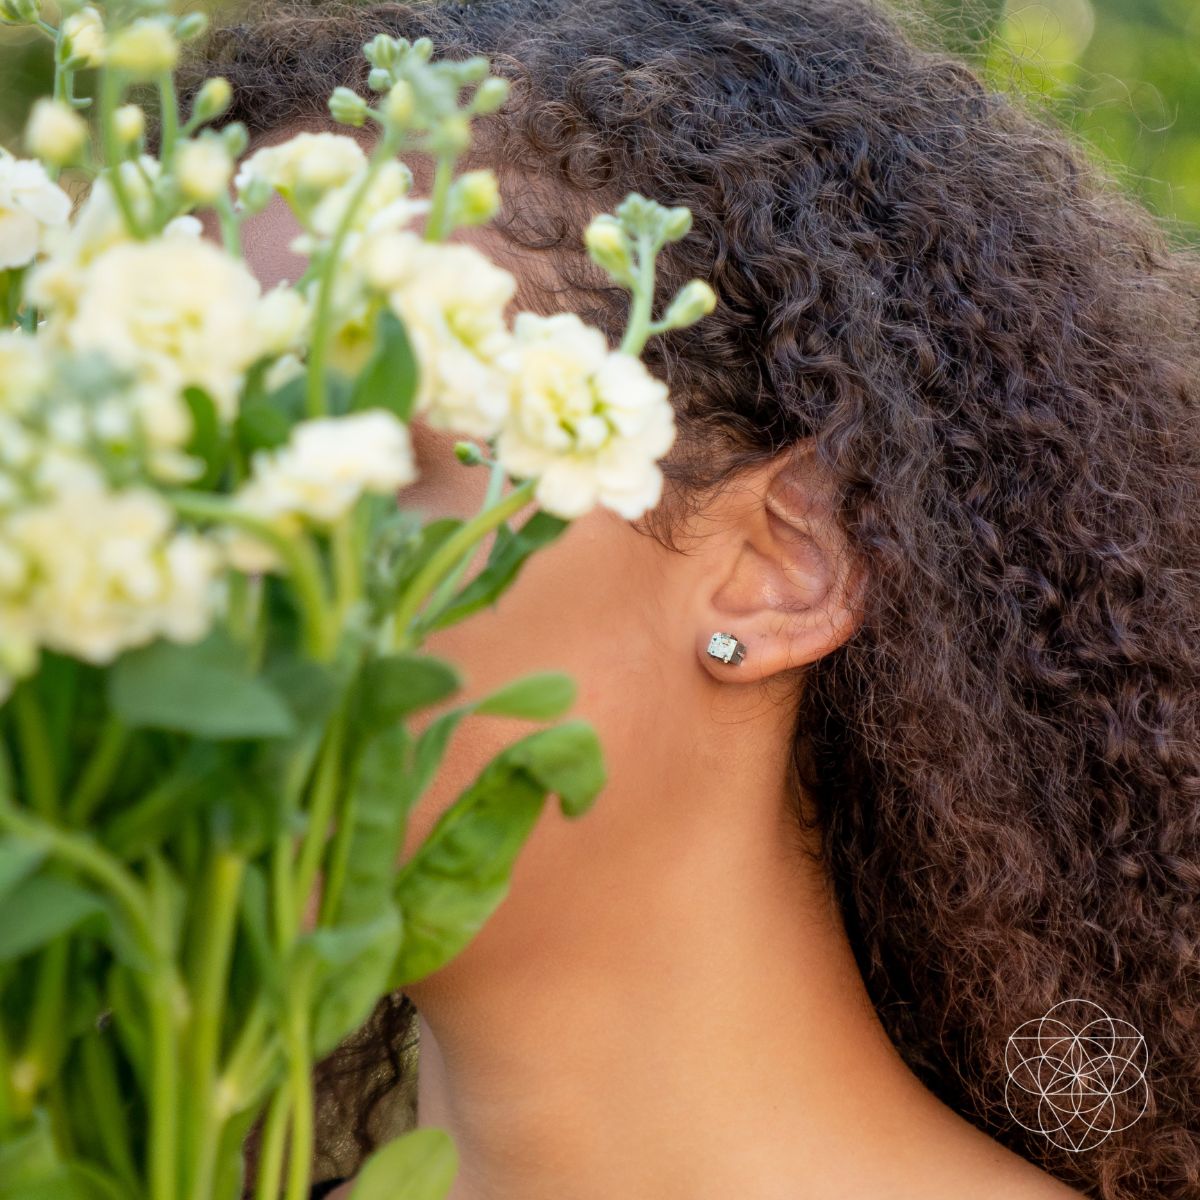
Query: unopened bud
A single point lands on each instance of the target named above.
(235, 138)
(347, 107)
(379, 79)
(203, 168)
(490, 95)
(469, 453)
(398, 103)
(693, 301)
(213, 98)
(19, 12)
(83, 38)
(254, 194)
(475, 198)
(130, 123)
(55, 133)
(191, 26)
(608, 247)
(145, 48)
(675, 223)
(382, 51)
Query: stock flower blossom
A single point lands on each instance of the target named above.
(90, 571)
(308, 162)
(30, 203)
(588, 421)
(452, 300)
(319, 474)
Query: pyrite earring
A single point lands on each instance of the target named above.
(726, 647)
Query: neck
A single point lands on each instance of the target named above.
(704, 1031)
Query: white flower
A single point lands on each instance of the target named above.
(83, 32)
(308, 162)
(30, 202)
(104, 571)
(177, 310)
(55, 132)
(130, 123)
(203, 168)
(452, 300)
(385, 205)
(24, 370)
(281, 320)
(589, 422)
(320, 474)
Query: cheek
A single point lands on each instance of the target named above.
(577, 606)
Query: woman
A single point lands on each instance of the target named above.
(937, 471)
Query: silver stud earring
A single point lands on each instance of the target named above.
(727, 648)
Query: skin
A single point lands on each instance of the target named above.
(666, 1003)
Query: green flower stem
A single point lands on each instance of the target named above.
(98, 773)
(447, 554)
(299, 558)
(37, 756)
(162, 991)
(297, 1038)
(168, 115)
(322, 334)
(219, 923)
(249, 1061)
(6, 1099)
(326, 786)
(338, 861)
(231, 226)
(638, 329)
(283, 893)
(43, 1043)
(270, 1156)
(347, 565)
(108, 1107)
(438, 221)
(110, 95)
(445, 590)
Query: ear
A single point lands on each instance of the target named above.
(784, 581)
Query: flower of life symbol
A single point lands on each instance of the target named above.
(1087, 1070)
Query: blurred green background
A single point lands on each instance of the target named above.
(1123, 74)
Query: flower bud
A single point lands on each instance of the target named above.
(473, 69)
(203, 168)
(347, 107)
(675, 223)
(468, 453)
(608, 247)
(235, 138)
(254, 194)
(56, 133)
(451, 136)
(475, 198)
(145, 48)
(19, 12)
(213, 98)
(490, 95)
(382, 51)
(130, 122)
(693, 301)
(399, 102)
(83, 37)
(380, 79)
(191, 26)
(422, 49)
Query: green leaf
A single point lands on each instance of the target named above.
(392, 687)
(202, 689)
(18, 860)
(566, 760)
(419, 1165)
(509, 553)
(539, 697)
(389, 380)
(41, 909)
(30, 1166)
(265, 421)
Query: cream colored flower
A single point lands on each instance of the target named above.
(308, 163)
(177, 311)
(105, 571)
(83, 32)
(55, 132)
(320, 474)
(30, 202)
(452, 300)
(24, 370)
(145, 47)
(385, 205)
(590, 423)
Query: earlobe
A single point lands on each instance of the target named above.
(791, 592)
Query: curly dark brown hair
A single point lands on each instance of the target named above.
(995, 350)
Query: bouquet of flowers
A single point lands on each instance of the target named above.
(212, 607)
